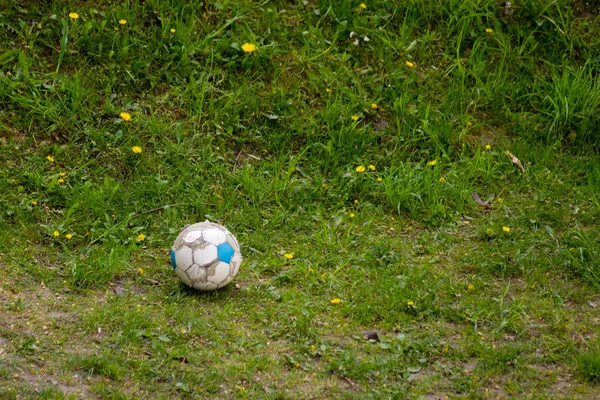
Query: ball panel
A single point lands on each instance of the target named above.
(234, 265)
(225, 252)
(192, 236)
(173, 261)
(205, 255)
(183, 276)
(221, 273)
(214, 236)
(184, 257)
(196, 273)
(231, 240)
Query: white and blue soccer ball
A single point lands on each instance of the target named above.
(206, 256)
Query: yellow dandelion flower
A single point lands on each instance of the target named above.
(122, 21)
(354, 118)
(335, 301)
(355, 201)
(379, 180)
(125, 116)
(33, 203)
(506, 229)
(351, 215)
(312, 347)
(470, 287)
(172, 30)
(328, 90)
(289, 256)
(410, 303)
(499, 200)
(56, 234)
(372, 167)
(249, 47)
(432, 163)
(140, 271)
(360, 168)
(136, 149)
(116, 28)
(469, 124)
(410, 65)
(489, 30)
(50, 158)
(62, 174)
(68, 236)
(61, 180)
(141, 237)
(73, 15)
(363, 6)
(374, 106)
(442, 179)
(488, 147)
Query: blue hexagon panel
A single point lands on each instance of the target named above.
(173, 263)
(225, 252)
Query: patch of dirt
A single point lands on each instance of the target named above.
(38, 382)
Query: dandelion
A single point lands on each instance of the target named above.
(351, 215)
(328, 90)
(73, 15)
(56, 234)
(141, 237)
(335, 301)
(33, 203)
(410, 303)
(62, 174)
(410, 65)
(249, 47)
(470, 287)
(136, 149)
(469, 124)
(360, 169)
(355, 201)
(289, 256)
(506, 229)
(61, 180)
(354, 118)
(126, 116)
(489, 30)
(122, 21)
(172, 30)
(499, 200)
(140, 271)
(372, 167)
(490, 231)
(116, 28)
(68, 236)
(374, 106)
(488, 147)
(50, 158)
(363, 6)
(379, 180)
(312, 347)
(432, 163)
(442, 179)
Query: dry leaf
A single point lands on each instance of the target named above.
(515, 160)
(478, 200)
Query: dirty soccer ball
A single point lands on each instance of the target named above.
(206, 256)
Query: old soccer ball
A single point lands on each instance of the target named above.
(206, 256)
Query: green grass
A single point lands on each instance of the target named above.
(468, 300)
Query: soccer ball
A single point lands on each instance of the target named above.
(206, 256)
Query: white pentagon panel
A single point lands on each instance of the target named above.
(192, 236)
(205, 256)
(183, 276)
(214, 236)
(221, 273)
(183, 257)
(196, 272)
(236, 260)
(205, 286)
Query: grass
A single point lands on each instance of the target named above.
(352, 138)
